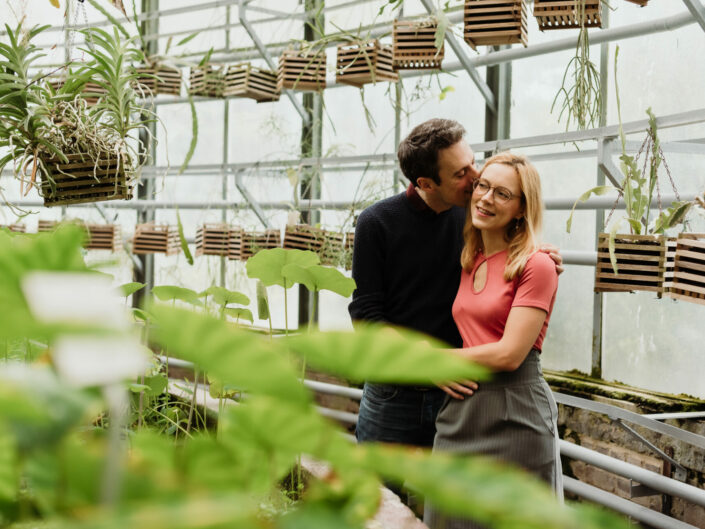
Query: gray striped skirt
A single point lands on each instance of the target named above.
(512, 418)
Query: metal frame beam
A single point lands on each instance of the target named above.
(697, 10)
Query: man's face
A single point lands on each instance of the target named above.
(457, 170)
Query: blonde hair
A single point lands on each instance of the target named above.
(522, 233)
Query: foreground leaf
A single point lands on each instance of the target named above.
(267, 265)
(317, 277)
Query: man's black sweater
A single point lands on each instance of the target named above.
(406, 263)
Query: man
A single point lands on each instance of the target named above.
(406, 263)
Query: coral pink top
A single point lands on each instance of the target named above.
(481, 316)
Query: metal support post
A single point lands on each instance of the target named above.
(242, 15)
(459, 51)
(145, 191)
(226, 155)
(697, 10)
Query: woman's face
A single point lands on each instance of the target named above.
(489, 211)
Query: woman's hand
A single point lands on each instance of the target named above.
(555, 254)
(458, 390)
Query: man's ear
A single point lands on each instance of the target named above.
(426, 184)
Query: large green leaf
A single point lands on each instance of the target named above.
(236, 357)
(223, 296)
(317, 277)
(173, 293)
(239, 313)
(267, 265)
(383, 354)
(486, 490)
(128, 289)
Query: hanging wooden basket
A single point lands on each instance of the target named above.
(91, 93)
(213, 239)
(16, 228)
(102, 237)
(495, 22)
(155, 238)
(332, 252)
(302, 70)
(689, 269)
(83, 180)
(563, 14)
(365, 62)
(348, 249)
(245, 80)
(413, 45)
(641, 263)
(44, 226)
(159, 79)
(253, 242)
(207, 81)
(303, 237)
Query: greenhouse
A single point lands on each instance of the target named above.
(352, 263)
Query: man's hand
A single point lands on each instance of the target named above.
(457, 390)
(555, 254)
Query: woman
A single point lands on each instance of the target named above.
(502, 308)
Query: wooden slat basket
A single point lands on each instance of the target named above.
(159, 79)
(495, 22)
(413, 45)
(563, 14)
(332, 250)
(245, 80)
(213, 239)
(641, 263)
(302, 70)
(348, 248)
(689, 269)
(82, 180)
(155, 238)
(303, 237)
(16, 228)
(102, 237)
(365, 62)
(253, 242)
(44, 226)
(207, 80)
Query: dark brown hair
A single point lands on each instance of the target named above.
(418, 152)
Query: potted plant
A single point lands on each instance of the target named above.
(495, 23)
(414, 44)
(302, 67)
(156, 238)
(361, 62)
(568, 14)
(245, 80)
(155, 76)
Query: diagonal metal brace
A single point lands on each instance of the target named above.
(459, 51)
(605, 163)
(250, 199)
(242, 15)
(697, 10)
(681, 473)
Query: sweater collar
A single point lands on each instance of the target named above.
(415, 201)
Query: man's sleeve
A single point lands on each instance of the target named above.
(367, 270)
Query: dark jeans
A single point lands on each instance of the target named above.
(398, 414)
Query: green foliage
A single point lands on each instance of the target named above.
(239, 313)
(317, 278)
(174, 293)
(194, 136)
(268, 265)
(128, 289)
(597, 191)
(182, 239)
(262, 301)
(375, 353)
(223, 296)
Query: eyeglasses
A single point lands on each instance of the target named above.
(500, 194)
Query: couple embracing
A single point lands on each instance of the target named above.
(474, 278)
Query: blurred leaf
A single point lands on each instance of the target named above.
(237, 357)
(267, 265)
(317, 516)
(317, 277)
(218, 390)
(187, 39)
(194, 135)
(239, 313)
(141, 314)
(55, 3)
(130, 288)
(182, 239)
(156, 384)
(383, 354)
(223, 296)
(8, 479)
(173, 292)
(262, 301)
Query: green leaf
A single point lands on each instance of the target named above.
(130, 288)
(141, 314)
(441, 28)
(383, 354)
(223, 296)
(8, 480)
(267, 265)
(194, 136)
(188, 38)
(156, 384)
(182, 239)
(599, 190)
(262, 301)
(173, 292)
(239, 313)
(317, 277)
(674, 215)
(237, 357)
